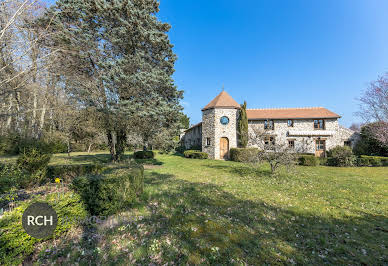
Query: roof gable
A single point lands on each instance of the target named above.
(290, 113)
(222, 100)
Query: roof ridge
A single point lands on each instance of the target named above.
(283, 108)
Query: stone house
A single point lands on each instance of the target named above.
(310, 130)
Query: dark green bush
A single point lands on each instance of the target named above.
(180, 149)
(243, 154)
(14, 144)
(375, 161)
(308, 160)
(110, 193)
(196, 147)
(363, 161)
(16, 245)
(195, 154)
(35, 162)
(341, 156)
(144, 155)
(11, 176)
(68, 172)
(322, 160)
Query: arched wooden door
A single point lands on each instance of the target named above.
(224, 148)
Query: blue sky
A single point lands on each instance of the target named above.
(278, 53)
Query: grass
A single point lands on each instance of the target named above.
(221, 212)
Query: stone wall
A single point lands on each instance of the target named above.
(208, 131)
(213, 129)
(333, 133)
(192, 137)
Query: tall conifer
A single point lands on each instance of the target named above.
(243, 126)
(116, 57)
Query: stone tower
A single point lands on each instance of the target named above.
(219, 126)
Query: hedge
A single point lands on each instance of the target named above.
(243, 154)
(365, 160)
(109, 193)
(308, 160)
(144, 155)
(16, 244)
(70, 171)
(195, 154)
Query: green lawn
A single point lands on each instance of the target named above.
(221, 212)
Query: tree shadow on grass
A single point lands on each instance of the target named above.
(198, 223)
(242, 169)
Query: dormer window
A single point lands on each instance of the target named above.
(319, 124)
(269, 125)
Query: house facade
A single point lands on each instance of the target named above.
(312, 130)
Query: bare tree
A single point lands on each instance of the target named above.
(374, 107)
(355, 127)
(276, 154)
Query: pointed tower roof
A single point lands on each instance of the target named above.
(223, 100)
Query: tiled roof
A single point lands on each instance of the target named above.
(290, 113)
(222, 100)
(193, 126)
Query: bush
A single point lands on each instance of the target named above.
(144, 155)
(12, 176)
(195, 154)
(341, 156)
(196, 147)
(180, 149)
(68, 172)
(308, 160)
(35, 163)
(110, 193)
(243, 154)
(322, 160)
(363, 161)
(375, 161)
(16, 245)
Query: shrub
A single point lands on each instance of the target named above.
(368, 144)
(363, 161)
(196, 147)
(195, 154)
(16, 245)
(144, 155)
(322, 160)
(341, 156)
(68, 172)
(243, 154)
(35, 163)
(180, 149)
(110, 193)
(375, 161)
(12, 176)
(308, 160)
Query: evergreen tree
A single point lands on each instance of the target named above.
(243, 126)
(116, 58)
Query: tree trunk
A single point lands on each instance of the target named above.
(89, 148)
(68, 147)
(112, 145)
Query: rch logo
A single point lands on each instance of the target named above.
(39, 220)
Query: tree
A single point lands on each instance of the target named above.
(275, 154)
(374, 108)
(185, 121)
(243, 126)
(369, 143)
(355, 127)
(116, 58)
